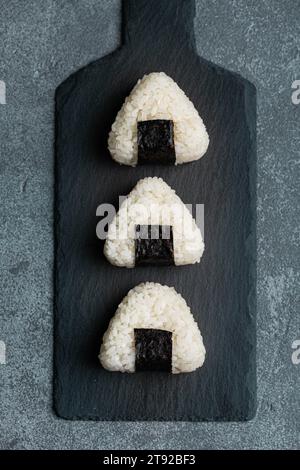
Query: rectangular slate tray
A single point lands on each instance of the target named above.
(158, 36)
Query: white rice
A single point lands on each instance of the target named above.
(157, 96)
(153, 202)
(152, 305)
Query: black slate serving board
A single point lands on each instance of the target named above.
(158, 36)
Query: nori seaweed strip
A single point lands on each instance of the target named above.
(154, 245)
(153, 350)
(155, 140)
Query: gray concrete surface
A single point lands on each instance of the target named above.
(41, 43)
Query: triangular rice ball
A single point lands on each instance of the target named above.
(157, 123)
(152, 329)
(174, 239)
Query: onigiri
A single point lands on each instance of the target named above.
(152, 329)
(153, 227)
(157, 124)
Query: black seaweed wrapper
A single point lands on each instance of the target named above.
(155, 140)
(153, 350)
(153, 249)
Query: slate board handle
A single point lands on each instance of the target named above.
(159, 19)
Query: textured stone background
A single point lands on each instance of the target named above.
(41, 43)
